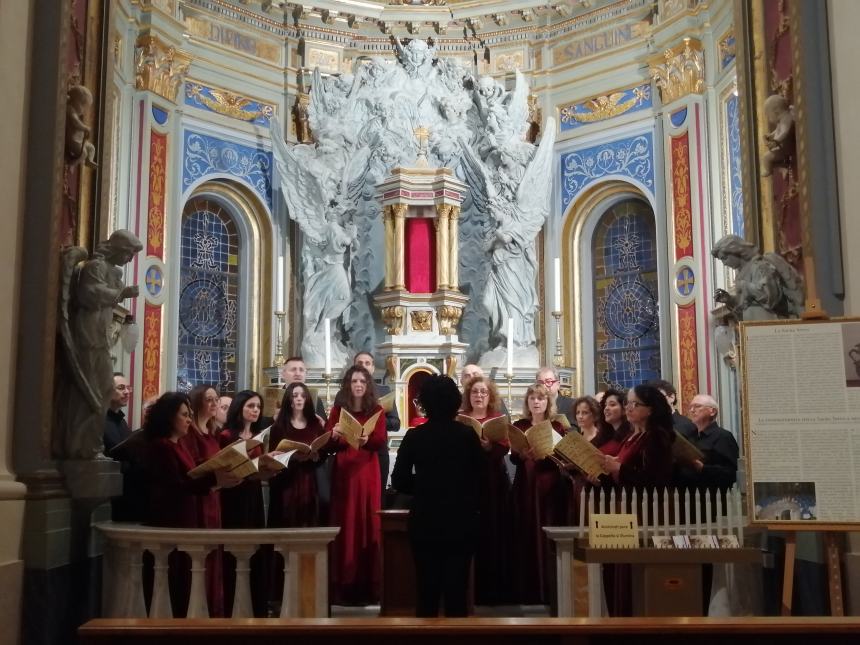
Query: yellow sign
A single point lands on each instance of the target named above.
(613, 531)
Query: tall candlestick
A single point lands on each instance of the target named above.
(557, 284)
(279, 296)
(510, 346)
(327, 346)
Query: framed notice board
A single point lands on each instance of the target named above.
(800, 390)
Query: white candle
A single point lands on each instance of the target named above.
(280, 284)
(327, 346)
(510, 346)
(557, 284)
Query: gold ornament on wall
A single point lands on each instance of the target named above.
(682, 71)
(449, 318)
(421, 320)
(392, 317)
(159, 67)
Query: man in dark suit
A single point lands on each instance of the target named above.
(392, 418)
(116, 427)
(439, 464)
(681, 423)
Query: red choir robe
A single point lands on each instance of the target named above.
(201, 446)
(355, 503)
(646, 465)
(492, 556)
(539, 498)
(242, 508)
(293, 498)
(174, 500)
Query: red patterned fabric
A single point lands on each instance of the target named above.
(420, 245)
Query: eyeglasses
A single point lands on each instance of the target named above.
(123, 388)
(480, 393)
(549, 382)
(635, 404)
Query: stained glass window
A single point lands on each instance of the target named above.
(208, 297)
(627, 330)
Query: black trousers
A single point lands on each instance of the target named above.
(442, 574)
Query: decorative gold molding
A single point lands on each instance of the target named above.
(227, 103)
(392, 317)
(682, 72)
(605, 106)
(159, 67)
(449, 317)
(421, 320)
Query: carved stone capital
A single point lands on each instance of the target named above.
(682, 71)
(159, 67)
(392, 317)
(449, 317)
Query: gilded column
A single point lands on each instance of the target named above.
(454, 241)
(399, 213)
(442, 278)
(390, 250)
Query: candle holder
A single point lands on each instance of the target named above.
(558, 357)
(279, 345)
(510, 377)
(327, 379)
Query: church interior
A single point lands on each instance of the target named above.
(568, 197)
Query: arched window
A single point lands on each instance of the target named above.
(626, 315)
(208, 297)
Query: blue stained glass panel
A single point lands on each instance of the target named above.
(627, 325)
(208, 297)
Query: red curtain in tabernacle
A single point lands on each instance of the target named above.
(420, 255)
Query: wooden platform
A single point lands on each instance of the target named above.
(528, 631)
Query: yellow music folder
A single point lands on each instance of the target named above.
(684, 451)
(542, 438)
(233, 458)
(352, 430)
(579, 451)
(387, 402)
(285, 445)
(495, 429)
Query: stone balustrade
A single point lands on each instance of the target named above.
(305, 553)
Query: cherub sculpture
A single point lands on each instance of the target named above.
(89, 290)
(779, 141)
(416, 56)
(322, 208)
(78, 146)
(766, 286)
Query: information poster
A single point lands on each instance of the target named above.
(801, 409)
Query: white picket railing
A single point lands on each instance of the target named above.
(305, 553)
(666, 512)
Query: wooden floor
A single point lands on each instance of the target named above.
(497, 631)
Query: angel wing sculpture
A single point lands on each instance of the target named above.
(517, 206)
(90, 287)
(321, 200)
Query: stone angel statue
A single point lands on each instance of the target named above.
(503, 115)
(766, 286)
(517, 212)
(90, 287)
(323, 212)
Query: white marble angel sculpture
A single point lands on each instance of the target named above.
(90, 288)
(517, 211)
(321, 208)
